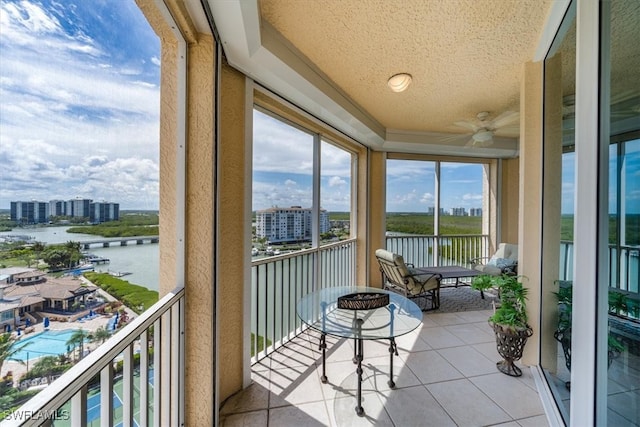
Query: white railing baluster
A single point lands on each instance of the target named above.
(165, 369)
(79, 407)
(106, 396)
(175, 363)
(157, 368)
(144, 379)
(127, 386)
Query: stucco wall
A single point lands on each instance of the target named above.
(377, 213)
(530, 203)
(197, 210)
(509, 200)
(231, 222)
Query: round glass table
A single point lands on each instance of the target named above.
(320, 310)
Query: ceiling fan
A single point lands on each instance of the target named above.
(484, 128)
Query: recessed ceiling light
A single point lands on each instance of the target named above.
(399, 82)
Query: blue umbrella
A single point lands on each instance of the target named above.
(46, 322)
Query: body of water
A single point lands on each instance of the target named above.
(141, 261)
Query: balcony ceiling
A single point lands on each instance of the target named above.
(333, 58)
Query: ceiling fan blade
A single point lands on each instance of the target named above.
(467, 125)
(505, 118)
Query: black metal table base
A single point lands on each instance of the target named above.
(358, 357)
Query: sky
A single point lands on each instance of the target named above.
(283, 166)
(79, 117)
(79, 102)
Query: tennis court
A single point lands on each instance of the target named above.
(93, 403)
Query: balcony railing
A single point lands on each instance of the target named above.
(423, 250)
(150, 387)
(624, 271)
(278, 282)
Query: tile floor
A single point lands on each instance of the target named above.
(445, 376)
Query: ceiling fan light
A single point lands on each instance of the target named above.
(399, 82)
(483, 135)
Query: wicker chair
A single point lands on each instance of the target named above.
(403, 278)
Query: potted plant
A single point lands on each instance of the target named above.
(509, 320)
(563, 331)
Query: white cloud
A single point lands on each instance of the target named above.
(473, 197)
(73, 121)
(336, 181)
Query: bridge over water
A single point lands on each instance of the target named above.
(119, 241)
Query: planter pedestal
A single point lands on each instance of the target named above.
(510, 344)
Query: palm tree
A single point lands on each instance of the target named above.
(77, 338)
(7, 349)
(45, 367)
(101, 334)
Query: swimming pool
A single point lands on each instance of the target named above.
(47, 343)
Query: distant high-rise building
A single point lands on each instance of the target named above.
(33, 212)
(475, 212)
(104, 212)
(79, 208)
(57, 208)
(431, 210)
(288, 224)
(458, 212)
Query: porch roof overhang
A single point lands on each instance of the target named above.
(255, 47)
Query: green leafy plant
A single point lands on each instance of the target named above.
(512, 312)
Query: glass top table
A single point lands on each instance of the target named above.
(319, 310)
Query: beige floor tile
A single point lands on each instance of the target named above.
(254, 419)
(342, 380)
(439, 337)
(254, 397)
(342, 412)
(295, 386)
(307, 414)
(466, 404)
(411, 342)
(515, 398)
(468, 361)
(471, 334)
(538, 421)
(377, 372)
(446, 319)
(431, 367)
(415, 406)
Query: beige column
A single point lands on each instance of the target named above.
(233, 248)
(376, 213)
(530, 201)
(509, 200)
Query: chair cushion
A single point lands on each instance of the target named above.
(502, 262)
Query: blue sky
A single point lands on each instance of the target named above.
(283, 161)
(79, 116)
(79, 111)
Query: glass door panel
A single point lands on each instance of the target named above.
(558, 212)
(620, 115)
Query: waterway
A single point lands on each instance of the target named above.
(142, 261)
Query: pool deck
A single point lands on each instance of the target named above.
(19, 369)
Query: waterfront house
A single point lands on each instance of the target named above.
(568, 67)
(32, 294)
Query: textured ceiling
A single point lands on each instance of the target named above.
(465, 56)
